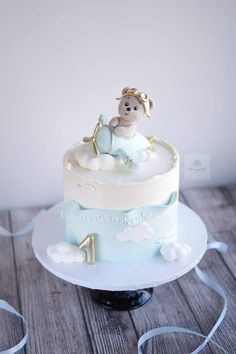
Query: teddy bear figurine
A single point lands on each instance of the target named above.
(117, 138)
(133, 107)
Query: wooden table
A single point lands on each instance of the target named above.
(63, 319)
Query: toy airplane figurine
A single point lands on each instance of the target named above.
(118, 137)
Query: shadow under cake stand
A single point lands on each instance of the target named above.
(121, 286)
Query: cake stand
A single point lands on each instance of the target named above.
(127, 285)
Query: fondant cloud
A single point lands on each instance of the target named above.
(64, 252)
(86, 159)
(175, 251)
(136, 233)
(86, 194)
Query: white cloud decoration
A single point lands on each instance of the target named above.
(86, 194)
(84, 155)
(136, 233)
(64, 252)
(175, 251)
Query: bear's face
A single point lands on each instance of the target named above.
(131, 109)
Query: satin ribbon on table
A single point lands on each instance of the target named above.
(25, 229)
(5, 305)
(8, 308)
(211, 283)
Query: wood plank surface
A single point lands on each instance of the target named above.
(219, 217)
(10, 327)
(63, 319)
(50, 305)
(168, 307)
(110, 331)
(62, 316)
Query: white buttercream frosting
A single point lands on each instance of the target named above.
(86, 193)
(122, 188)
(166, 159)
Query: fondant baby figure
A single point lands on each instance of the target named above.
(133, 107)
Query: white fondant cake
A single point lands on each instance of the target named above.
(121, 191)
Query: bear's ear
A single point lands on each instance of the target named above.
(125, 90)
(151, 103)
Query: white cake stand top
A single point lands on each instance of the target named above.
(49, 230)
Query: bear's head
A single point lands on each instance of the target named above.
(134, 105)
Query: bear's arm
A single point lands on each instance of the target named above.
(114, 122)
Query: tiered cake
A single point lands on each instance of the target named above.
(121, 191)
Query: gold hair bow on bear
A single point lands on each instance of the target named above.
(141, 96)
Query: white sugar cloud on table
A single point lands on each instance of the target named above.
(64, 252)
(136, 233)
(86, 159)
(175, 251)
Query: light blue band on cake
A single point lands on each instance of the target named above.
(212, 284)
(122, 236)
(73, 207)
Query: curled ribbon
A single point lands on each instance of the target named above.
(27, 228)
(5, 305)
(212, 284)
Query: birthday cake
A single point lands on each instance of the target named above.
(120, 192)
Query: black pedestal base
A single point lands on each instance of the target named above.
(121, 300)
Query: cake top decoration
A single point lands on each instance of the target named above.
(141, 96)
(117, 138)
(134, 106)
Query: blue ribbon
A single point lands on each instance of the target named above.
(25, 229)
(7, 307)
(212, 284)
